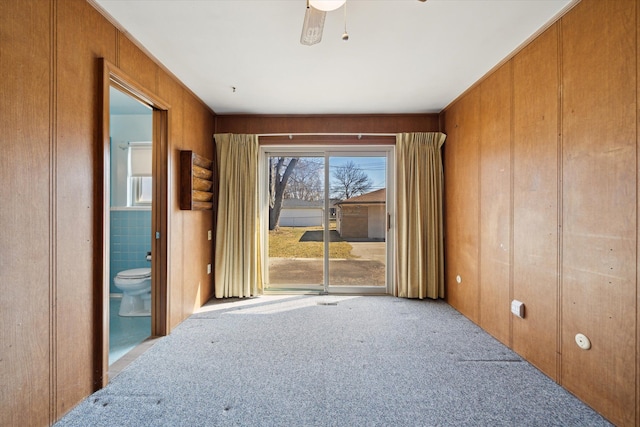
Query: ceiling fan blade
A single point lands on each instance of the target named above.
(312, 26)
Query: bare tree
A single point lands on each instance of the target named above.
(350, 181)
(280, 170)
(305, 182)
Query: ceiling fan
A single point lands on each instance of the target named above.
(314, 16)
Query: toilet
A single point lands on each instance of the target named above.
(135, 285)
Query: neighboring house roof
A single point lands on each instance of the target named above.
(302, 204)
(372, 198)
(333, 202)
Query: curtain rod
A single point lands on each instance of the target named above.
(359, 135)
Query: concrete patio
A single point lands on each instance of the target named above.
(368, 270)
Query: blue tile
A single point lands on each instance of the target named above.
(125, 332)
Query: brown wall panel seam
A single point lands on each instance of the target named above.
(479, 256)
(117, 58)
(53, 335)
(637, 371)
(511, 192)
(559, 147)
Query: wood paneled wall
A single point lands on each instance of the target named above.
(535, 201)
(552, 136)
(391, 123)
(599, 205)
(462, 205)
(51, 210)
(26, 273)
(495, 199)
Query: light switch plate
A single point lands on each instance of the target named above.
(209, 234)
(517, 308)
(208, 268)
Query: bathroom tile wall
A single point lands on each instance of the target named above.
(130, 241)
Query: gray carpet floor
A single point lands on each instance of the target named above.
(330, 361)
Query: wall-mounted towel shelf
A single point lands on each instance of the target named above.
(196, 182)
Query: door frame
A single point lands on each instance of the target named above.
(112, 76)
(327, 150)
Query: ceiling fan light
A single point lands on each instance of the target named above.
(327, 5)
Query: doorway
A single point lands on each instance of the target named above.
(131, 183)
(135, 208)
(328, 217)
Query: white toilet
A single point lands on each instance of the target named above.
(135, 285)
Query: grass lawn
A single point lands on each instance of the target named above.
(285, 243)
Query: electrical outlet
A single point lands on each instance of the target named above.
(458, 279)
(583, 342)
(517, 308)
(208, 268)
(209, 235)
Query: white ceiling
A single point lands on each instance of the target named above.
(402, 56)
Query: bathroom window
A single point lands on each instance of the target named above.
(139, 174)
(141, 190)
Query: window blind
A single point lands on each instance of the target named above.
(140, 159)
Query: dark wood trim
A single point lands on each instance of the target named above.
(160, 222)
(103, 378)
(327, 140)
(327, 124)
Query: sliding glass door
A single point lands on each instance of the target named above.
(296, 220)
(327, 218)
(358, 191)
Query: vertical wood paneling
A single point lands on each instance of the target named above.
(170, 90)
(54, 233)
(392, 123)
(25, 161)
(134, 62)
(177, 248)
(583, 182)
(206, 249)
(637, 218)
(51, 170)
(599, 206)
(535, 193)
(196, 246)
(461, 169)
(79, 197)
(495, 202)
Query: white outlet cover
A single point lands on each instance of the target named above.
(458, 279)
(209, 234)
(208, 268)
(517, 308)
(583, 342)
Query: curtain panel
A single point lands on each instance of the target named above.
(419, 216)
(238, 271)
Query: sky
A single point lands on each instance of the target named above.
(375, 167)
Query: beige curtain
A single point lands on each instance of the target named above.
(238, 270)
(419, 225)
